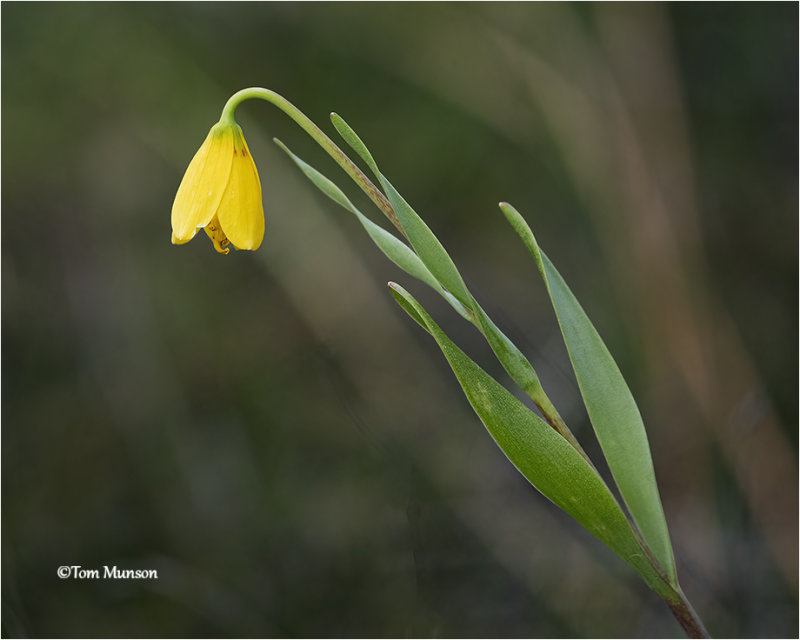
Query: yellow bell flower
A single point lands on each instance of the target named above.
(220, 193)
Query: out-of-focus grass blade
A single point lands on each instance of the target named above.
(392, 247)
(610, 404)
(549, 463)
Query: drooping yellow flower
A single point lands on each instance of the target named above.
(220, 193)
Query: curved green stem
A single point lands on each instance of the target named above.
(671, 593)
(539, 397)
(319, 137)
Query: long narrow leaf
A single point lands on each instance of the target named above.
(547, 461)
(436, 259)
(354, 142)
(391, 246)
(427, 245)
(609, 403)
(509, 355)
(422, 239)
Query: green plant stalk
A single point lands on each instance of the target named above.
(535, 392)
(671, 593)
(554, 419)
(553, 467)
(319, 137)
(687, 617)
(522, 372)
(512, 359)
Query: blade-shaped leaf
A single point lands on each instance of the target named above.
(427, 245)
(609, 403)
(549, 463)
(523, 373)
(419, 234)
(391, 246)
(509, 355)
(354, 142)
(439, 263)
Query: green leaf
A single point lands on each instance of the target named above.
(549, 463)
(512, 359)
(324, 184)
(434, 255)
(391, 246)
(400, 298)
(427, 245)
(439, 263)
(609, 403)
(354, 142)
(422, 239)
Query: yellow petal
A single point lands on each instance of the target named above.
(203, 184)
(241, 212)
(214, 231)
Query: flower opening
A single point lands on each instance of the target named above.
(220, 193)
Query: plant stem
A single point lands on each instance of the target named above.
(671, 593)
(554, 419)
(539, 397)
(687, 617)
(320, 138)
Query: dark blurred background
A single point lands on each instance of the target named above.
(273, 435)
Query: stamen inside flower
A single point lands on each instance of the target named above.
(214, 231)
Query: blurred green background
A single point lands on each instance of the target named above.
(273, 435)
